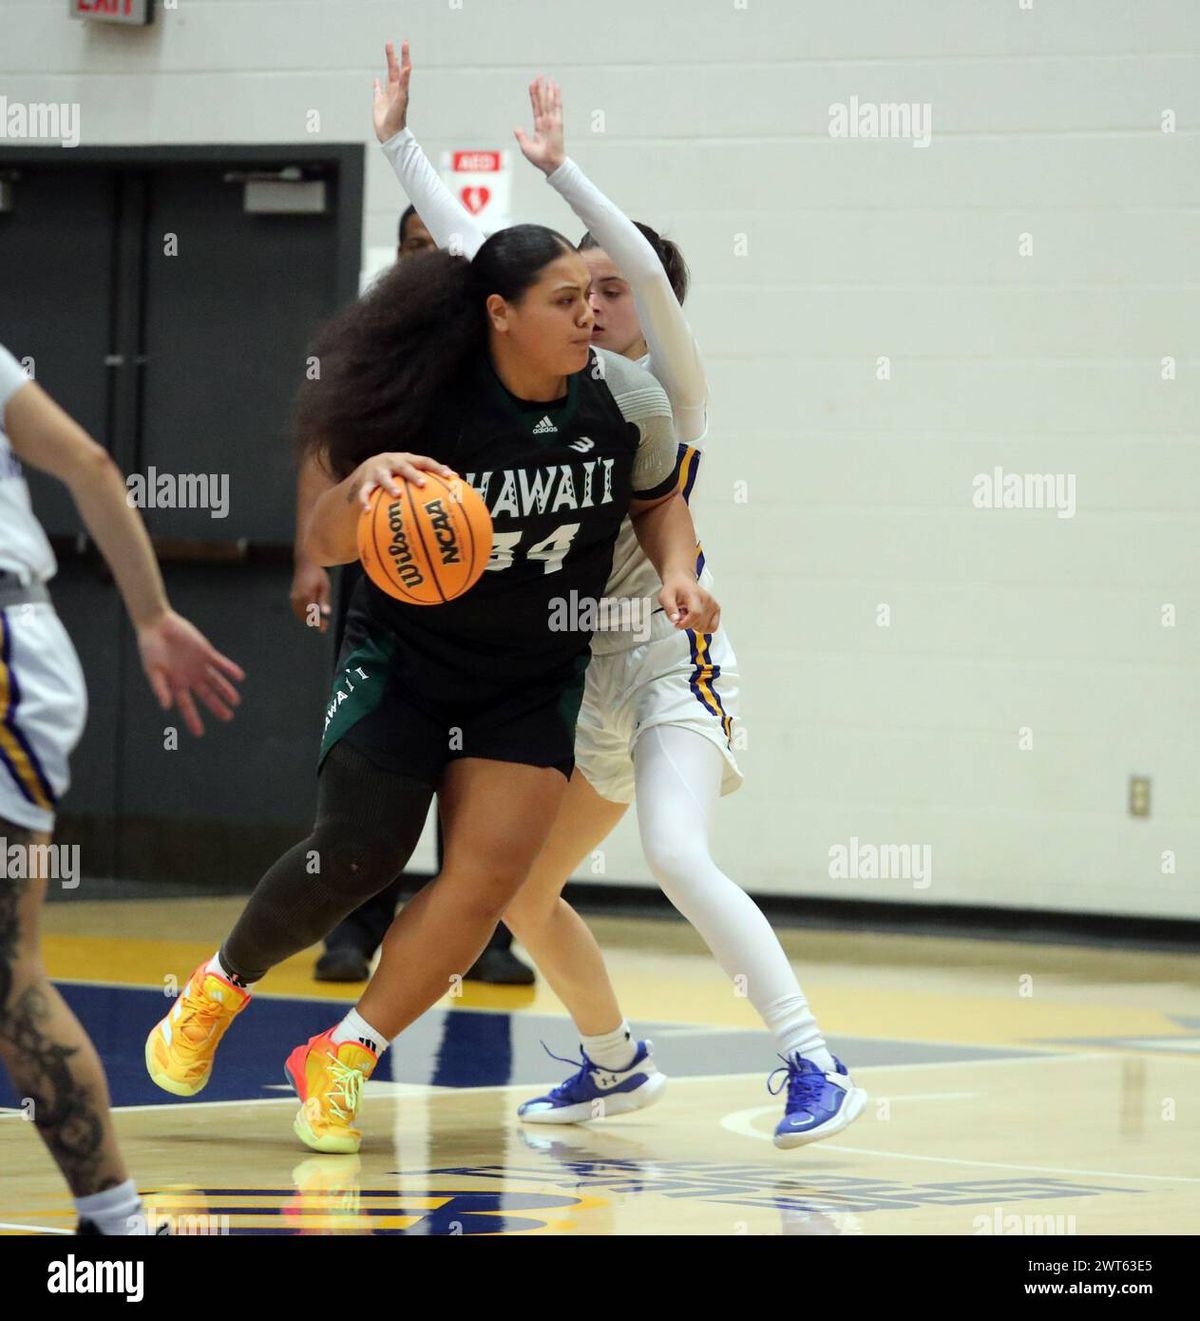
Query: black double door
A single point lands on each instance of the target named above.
(173, 325)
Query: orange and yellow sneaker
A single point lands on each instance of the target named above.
(329, 1080)
(328, 1199)
(180, 1049)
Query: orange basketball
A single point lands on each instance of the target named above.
(428, 544)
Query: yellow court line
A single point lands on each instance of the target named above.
(664, 994)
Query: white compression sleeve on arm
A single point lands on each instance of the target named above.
(451, 224)
(674, 355)
(643, 401)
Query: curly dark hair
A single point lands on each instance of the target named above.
(387, 359)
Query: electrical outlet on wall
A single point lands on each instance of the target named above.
(1139, 795)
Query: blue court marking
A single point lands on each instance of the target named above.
(1183, 1044)
(444, 1048)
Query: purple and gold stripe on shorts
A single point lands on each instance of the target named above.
(703, 680)
(16, 754)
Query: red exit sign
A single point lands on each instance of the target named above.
(112, 11)
(476, 162)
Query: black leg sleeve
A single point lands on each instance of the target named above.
(368, 823)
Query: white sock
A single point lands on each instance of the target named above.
(114, 1211)
(796, 1031)
(215, 965)
(821, 1058)
(613, 1050)
(354, 1027)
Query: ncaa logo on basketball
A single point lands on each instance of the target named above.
(447, 538)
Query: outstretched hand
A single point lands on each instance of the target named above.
(181, 664)
(391, 104)
(546, 148)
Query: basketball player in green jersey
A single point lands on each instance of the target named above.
(486, 366)
(351, 945)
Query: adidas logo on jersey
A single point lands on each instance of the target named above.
(545, 428)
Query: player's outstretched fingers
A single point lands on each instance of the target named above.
(222, 662)
(187, 709)
(160, 687)
(222, 690)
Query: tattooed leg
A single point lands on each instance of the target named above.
(48, 1055)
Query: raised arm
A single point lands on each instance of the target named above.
(658, 512)
(674, 355)
(451, 224)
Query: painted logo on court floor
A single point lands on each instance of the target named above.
(765, 1186)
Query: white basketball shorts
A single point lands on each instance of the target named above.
(683, 678)
(43, 706)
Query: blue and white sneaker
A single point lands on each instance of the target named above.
(818, 1104)
(597, 1093)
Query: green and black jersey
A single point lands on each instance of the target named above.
(557, 479)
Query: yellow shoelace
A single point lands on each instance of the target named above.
(348, 1084)
(205, 1014)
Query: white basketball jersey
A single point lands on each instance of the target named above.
(24, 549)
(632, 573)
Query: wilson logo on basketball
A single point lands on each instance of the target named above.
(406, 570)
(427, 545)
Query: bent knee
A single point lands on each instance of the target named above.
(673, 859)
(483, 895)
(491, 904)
(347, 858)
(529, 910)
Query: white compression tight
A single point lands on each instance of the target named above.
(678, 774)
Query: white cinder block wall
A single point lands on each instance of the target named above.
(1019, 282)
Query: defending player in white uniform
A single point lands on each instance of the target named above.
(657, 717)
(43, 705)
